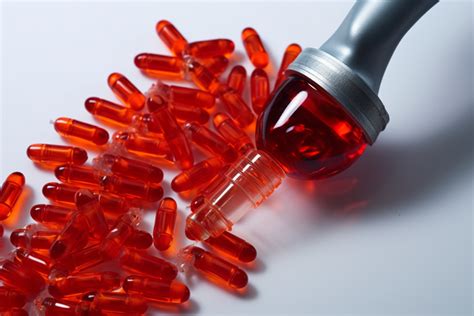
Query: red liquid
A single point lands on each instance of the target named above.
(308, 131)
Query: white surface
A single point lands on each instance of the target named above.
(397, 237)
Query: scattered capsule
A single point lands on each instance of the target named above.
(142, 145)
(177, 95)
(291, 52)
(165, 220)
(60, 193)
(121, 231)
(113, 204)
(259, 90)
(216, 65)
(32, 238)
(146, 264)
(237, 108)
(161, 66)
(88, 204)
(9, 298)
(189, 113)
(118, 302)
(139, 239)
(74, 284)
(80, 260)
(82, 176)
(54, 307)
(56, 154)
(68, 127)
(126, 91)
(211, 48)
(254, 48)
(197, 176)
(15, 312)
(211, 142)
(171, 37)
(146, 124)
(236, 79)
(33, 260)
(197, 202)
(204, 78)
(51, 215)
(10, 192)
(232, 133)
(110, 111)
(156, 290)
(73, 237)
(21, 278)
(173, 134)
(130, 168)
(132, 188)
(233, 246)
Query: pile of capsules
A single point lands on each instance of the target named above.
(96, 209)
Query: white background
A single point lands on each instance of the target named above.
(390, 236)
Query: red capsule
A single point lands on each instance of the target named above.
(10, 192)
(139, 240)
(73, 237)
(33, 260)
(189, 113)
(233, 246)
(204, 78)
(74, 284)
(254, 48)
(1, 231)
(54, 307)
(56, 154)
(9, 298)
(211, 48)
(32, 238)
(132, 188)
(161, 66)
(109, 111)
(80, 260)
(232, 133)
(83, 176)
(197, 176)
(237, 78)
(68, 127)
(60, 193)
(106, 302)
(148, 265)
(113, 204)
(291, 52)
(156, 290)
(51, 215)
(121, 231)
(177, 95)
(142, 145)
(259, 90)
(171, 37)
(15, 312)
(126, 91)
(20, 277)
(130, 168)
(88, 204)
(237, 108)
(173, 134)
(165, 220)
(196, 202)
(211, 142)
(216, 65)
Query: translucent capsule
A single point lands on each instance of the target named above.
(177, 95)
(121, 231)
(146, 264)
(56, 154)
(196, 202)
(9, 298)
(10, 192)
(126, 91)
(215, 268)
(237, 78)
(165, 220)
(113, 204)
(21, 278)
(160, 66)
(130, 168)
(139, 239)
(232, 133)
(189, 113)
(88, 204)
(259, 90)
(197, 176)
(233, 246)
(15, 312)
(118, 302)
(132, 188)
(80, 260)
(216, 65)
(142, 145)
(33, 260)
(79, 283)
(54, 307)
(83, 176)
(109, 111)
(211, 48)
(204, 78)
(254, 48)
(211, 142)
(237, 108)
(32, 238)
(51, 215)
(1, 231)
(73, 237)
(291, 52)
(68, 127)
(156, 290)
(172, 38)
(146, 124)
(172, 132)
(60, 193)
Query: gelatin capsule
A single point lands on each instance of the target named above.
(74, 284)
(189, 113)
(88, 204)
(197, 176)
(197, 202)
(237, 108)
(291, 52)
(9, 298)
(73, 237)
(121, 231)
(60, 193)
(118, 302)
(139, 239)
(132, 188)
(177, 95)
(172, 38)
(211, 142)
(68, 127)
(33, 260)
(83, 176)
(232, 133)
(21, 278)
(56, 154)
(156, 290)
(237, 78)
(161, 66)
(142, 145)
(10, 192)
(126, 91)
(173, 134)
(259, 90)
(146, 124)
(216, 65)
(32, 238)
(165, 220)
(113, 204)
(254, 48)
(54, 307)
(216, 268)
(109, 111)
(148, 265)
(204, 78)
(51, 215)
(130, 168)
(80, 260)
(233, 246)
(211, 48)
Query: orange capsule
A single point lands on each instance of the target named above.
(233, 246)
(60, 193)
(80, 260)
(109, 111)
(74, 284)
(232, 133)
(171, 37)
(196, 202)
(56, 154)
(126, 91)
(142, 145)
(291, 52)
(197, 176)
(146, 264)
(33, 260)
(204, 78)
(121, 231)
(254, 48)
(106, 302)
(68, 127)
(236, 79)
(259, 90)
(73, 237)
(132, 188)
(88, 204)
(156, 290)
(83, 176)
(165, 220)
(21, 278)
(54, 307)
(51, 215)
(176, 95)
(189, 113)
(211, 142)
(10, 192)
(172, 132)
(32, 238)
(237, 108)
(9, 298)
(127, 167)
(216, 268)
(161, 66)
(139, 239)
(211, 48)
(216, 65)
(113, 204)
